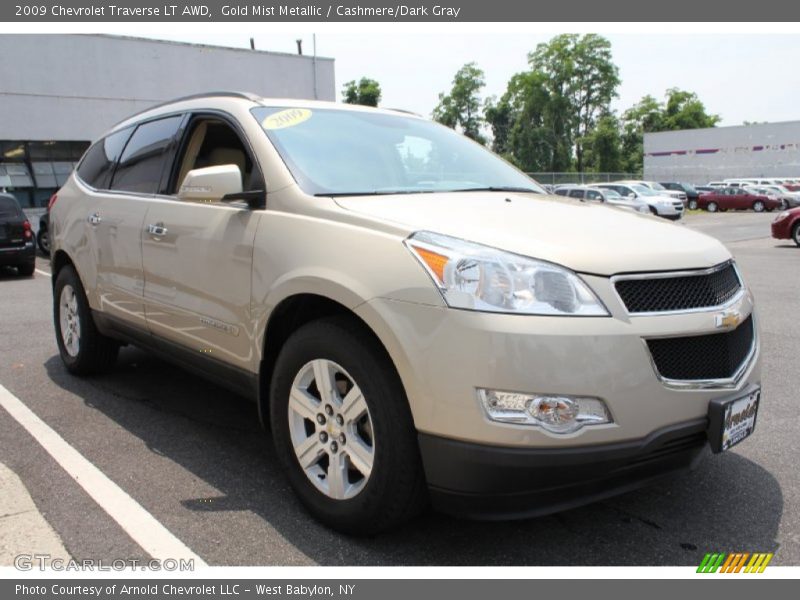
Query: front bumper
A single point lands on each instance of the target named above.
(18, 255)
(476, 481)
(444, 356)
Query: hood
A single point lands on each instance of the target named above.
(585, 237)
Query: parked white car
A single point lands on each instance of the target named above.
(663, 206)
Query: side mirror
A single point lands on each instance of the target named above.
(211, 184)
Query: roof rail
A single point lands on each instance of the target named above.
(226, 93)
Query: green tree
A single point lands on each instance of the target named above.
(461, 108)
(366, 91)
(545, 118)
(603, 146)
(581, 79)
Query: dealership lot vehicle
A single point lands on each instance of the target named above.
(318, 301)
(690, 192)
(587, 193)
(660, 189)
(786, 226)
(789, 198)
(663, 206)
(737, 198)
(16, 238)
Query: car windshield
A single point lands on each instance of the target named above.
(347, 152)
(643, 190)
(656, 186)
(689, 188)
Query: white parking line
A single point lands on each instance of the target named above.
(140, 525)
(45, 273)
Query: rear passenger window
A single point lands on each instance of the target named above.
(145, 156)
(96, 167)
(576, 193)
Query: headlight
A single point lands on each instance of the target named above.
(476, 277)
(781, 216)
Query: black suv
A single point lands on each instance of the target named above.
(16, 238)
(691, 192)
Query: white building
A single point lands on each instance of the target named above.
(60, 92)
(701, 155)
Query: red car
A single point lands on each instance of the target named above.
(736, 198)
(787, 226)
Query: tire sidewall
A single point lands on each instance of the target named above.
(796, 233)
(68, 276)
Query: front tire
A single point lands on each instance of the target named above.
(796, 233)
(692, 204)
(712, 207)
(84, 350)
(343, 430)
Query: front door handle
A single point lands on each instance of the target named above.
(157, 230)
(94, 218)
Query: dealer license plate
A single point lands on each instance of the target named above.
(731, 421)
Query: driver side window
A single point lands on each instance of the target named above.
(211, 142)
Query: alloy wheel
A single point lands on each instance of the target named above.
(70, 320)
(331, 429)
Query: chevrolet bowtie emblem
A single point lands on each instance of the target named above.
(728, 319)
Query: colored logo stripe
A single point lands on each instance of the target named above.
(734, 562)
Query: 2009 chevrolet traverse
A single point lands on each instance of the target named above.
(416, 319)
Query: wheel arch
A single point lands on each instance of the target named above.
(295, 311)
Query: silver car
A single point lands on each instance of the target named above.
(587, 193)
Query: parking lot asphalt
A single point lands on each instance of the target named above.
(193, 456)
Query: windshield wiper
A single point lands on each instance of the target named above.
(372, 193)
(499, 188)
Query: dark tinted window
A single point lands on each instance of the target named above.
(95, 168)
(594, 195)
(144, 158)
(9, 207)
(576, 193)
(562, 192)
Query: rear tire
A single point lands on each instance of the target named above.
(43, 241)
(796, 233)
(758, 206)
(393, 489)
(712, 207)
(26, 270)
(692, 204)
(84, 350)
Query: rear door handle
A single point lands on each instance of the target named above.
(157, 230)
(94, 219)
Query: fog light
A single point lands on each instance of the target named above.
(555, 413)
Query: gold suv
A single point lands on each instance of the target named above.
(417, 320)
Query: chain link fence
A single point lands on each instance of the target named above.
(550, 178)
